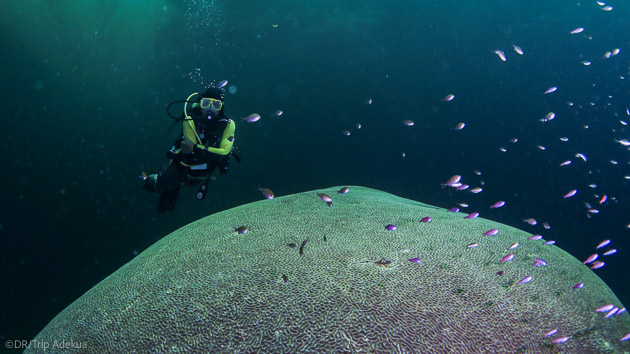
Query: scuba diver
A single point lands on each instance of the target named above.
(206, 143)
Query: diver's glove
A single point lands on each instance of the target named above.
(170, 154)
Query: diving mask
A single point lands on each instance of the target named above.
(211, 103)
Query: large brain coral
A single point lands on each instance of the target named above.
(355, 287)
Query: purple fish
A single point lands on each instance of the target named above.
(621, 310)
(605, 308)
(266, 192)
(426, 219)
(535, 237)
(611, 312)
(241, 229)
(525, 280)
(609, 252)
(498, 204)
(591, 258)
(539, 262)
(222, 84)
(454, 210)
(507, 258)
(560, 340)
(578, 286)
(471, 215)
(491, 232)
(598, 265)
(550, 242)
(551, 333)
(254, 117)
(501, 273)
(626, 337)
(414, 260)
(391, 227)
(343, 190)
(324, 197)
(603, 244)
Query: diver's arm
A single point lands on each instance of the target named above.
(226, 141)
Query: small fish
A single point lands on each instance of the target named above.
(550, 90)
(593, 211)
(507, 258)
(625, 338)
(144, 176)
(591, 258)
(541, 147)
(525, 280)
(222, 84)
(570, 193)
(500, 54)
(580, 155)
(615, 51)
(346, 132)
(621, 310)
(324, 238)
(501, 273)
(567, 162)
(266, 192)
(278, 113)
(578, 30)
(302, 247)
(391, 227)
(453, 180)
(292, 245)
(471, 215)
(598, 265)
(610, 252)
(530, 221)
(517, 49)
(453, 210)
(460, 126)
(343, 190)
(463, 187)
(564, 139)
(549, 116)
(603, 244)
(285, 278)
(408, 123)
(560, 340)
(324, 197)
(448, 97)
(472, 245)
(368, 101)
(607, 8)
(551, 333)
(513, 246)
(603, 200)
(539, 262)
(611, 312)
(241, 229)
(491, 232)
(426, 219)
(476, 190)
(578, 286)
(330, 204)
(550, 242)
(254, 117)
(358, 126)
(498, 204)
(414, 260)
(463, 205)
(605, 308)
(535, 237)
(546, 226)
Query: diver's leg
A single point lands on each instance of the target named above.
(169, 180)
(203, 189)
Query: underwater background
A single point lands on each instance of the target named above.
(86, 85)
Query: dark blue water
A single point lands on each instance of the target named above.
(85, 88)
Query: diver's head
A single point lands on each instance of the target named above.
(211, 102)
